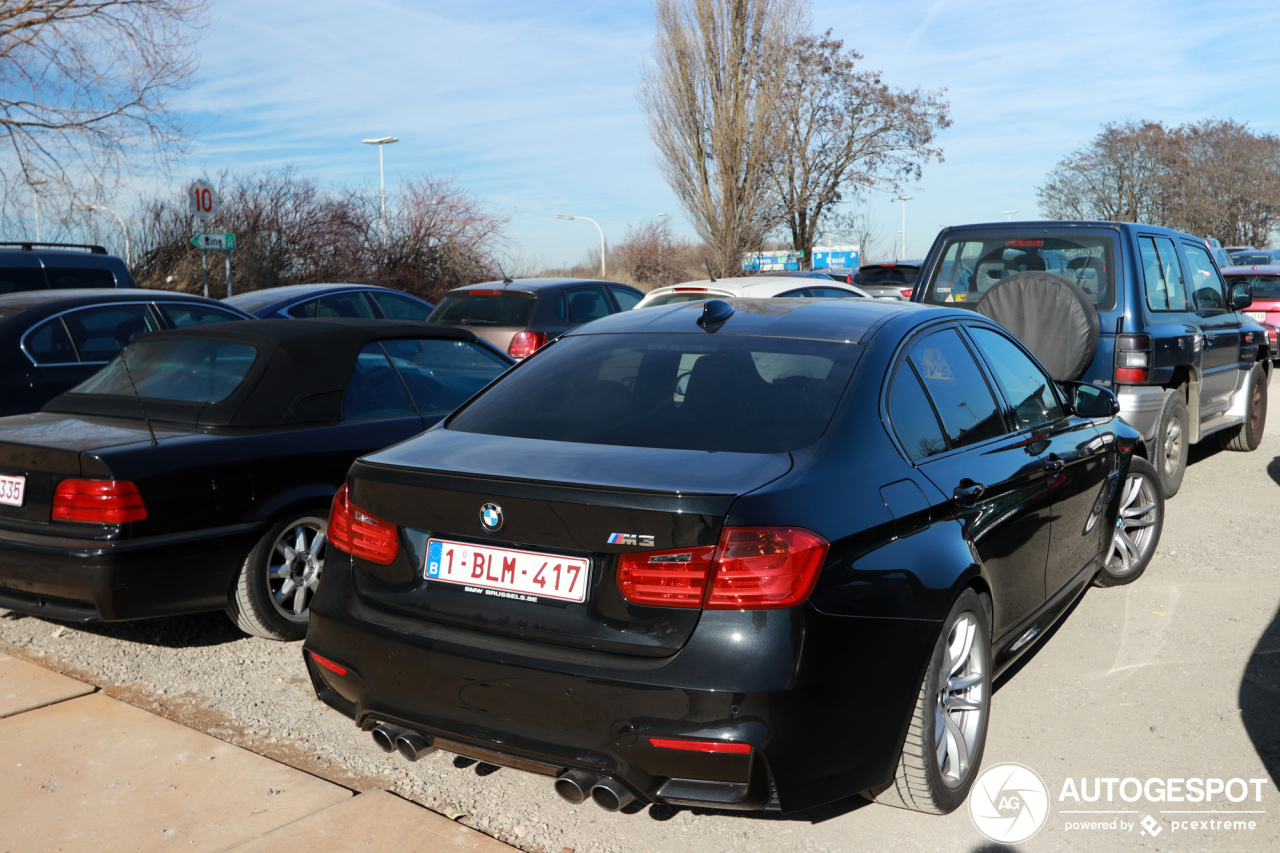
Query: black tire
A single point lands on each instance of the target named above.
(1168, 452)
(921, 784)
(272, 595)
(1138, 526)
(1248, 435)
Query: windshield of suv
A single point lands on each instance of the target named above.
(738, 394)
(971, 264)
(485, 308)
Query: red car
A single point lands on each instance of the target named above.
(1265, 279)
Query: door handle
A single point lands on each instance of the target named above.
(968, 492)
(1054, 464)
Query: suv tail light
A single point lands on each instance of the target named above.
(1133, 359)
(525, 344)
(98, 501)
(360, 534)
(752, 568)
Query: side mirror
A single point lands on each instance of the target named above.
(1241, 295)
(1091, 401)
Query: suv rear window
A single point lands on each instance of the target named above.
(739, 394)
(485, 308)
(67, 278)
(971, 264)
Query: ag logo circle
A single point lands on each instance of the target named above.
(491, 518)
(1009, 803)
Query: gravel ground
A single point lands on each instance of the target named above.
(1141, 681)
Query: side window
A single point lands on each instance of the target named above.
(99, 333)
(49, 343)
(800, 291)
(442, 374)
(1027, 389)
(833, 293)
(397, 307)
(375, 390)
(180, 315)
(304, 309)
(66, 278)
(16, 279)
(912, 416)
(343, 305)
(626, 299)
(1206, 283)
(1166, 290)
(957, 387)
(585, 304)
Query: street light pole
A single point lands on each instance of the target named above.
(659, 218)
(128, 253)
(598, 228)
(1008, 215)
(382, 178)
(904, 199)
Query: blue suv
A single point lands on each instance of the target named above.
(1141, 310)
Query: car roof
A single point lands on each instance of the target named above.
(24, 300)
(255, 300)
(533, 285)
(1252, 269)
(849, 320)
(757, 286)
(879, 264)
(300, 374)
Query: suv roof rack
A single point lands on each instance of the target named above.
(28, 246)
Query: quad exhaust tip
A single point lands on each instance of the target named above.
(575, 786)
(611, 796)
(413, 745)
(385, 736)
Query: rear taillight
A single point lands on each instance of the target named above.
(752, 568)
(906, 292)
(1133, 359)
(360, 534)
(98, 501)
(525, 344)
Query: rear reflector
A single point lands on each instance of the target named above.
(1131, 375)
(525, 344)
(360, 534)
(700, 745)
(98, 501)
(752, 568)
(328, 664)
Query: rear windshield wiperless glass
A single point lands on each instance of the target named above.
(886, 275)
(485, 308)
(1264, 286)
(195, 371)
(738, 394)
(971, 264)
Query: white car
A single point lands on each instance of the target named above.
(758, 286)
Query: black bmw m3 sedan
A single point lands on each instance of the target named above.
(744, 554)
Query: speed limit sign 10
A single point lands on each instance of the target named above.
(202, 199)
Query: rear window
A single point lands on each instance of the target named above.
(1264, 286)
(886, 275)
(485, 308)
(971, 264)
(673, 298)
(195, 371)
(738, 394)
(66, 278)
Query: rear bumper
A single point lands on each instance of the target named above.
(821, 726)
(1140, 407)
(88, 580)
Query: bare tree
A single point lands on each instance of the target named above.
(712, 99)
(651, 256)
(846, 132)
(1121, 176)
(83, 93)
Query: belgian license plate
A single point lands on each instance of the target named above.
(1260, 316)
(502, 572)
(12, 489)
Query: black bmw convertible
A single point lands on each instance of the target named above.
(741, 554)
(195, 471)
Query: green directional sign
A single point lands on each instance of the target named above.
(219, 242)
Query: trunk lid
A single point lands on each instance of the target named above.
(562, 502)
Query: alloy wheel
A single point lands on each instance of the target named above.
(295, 566)
(1135, 526)
(962, 701)
(1173, 448)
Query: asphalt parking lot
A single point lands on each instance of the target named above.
(1175, 678)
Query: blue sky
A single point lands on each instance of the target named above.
(532, 104)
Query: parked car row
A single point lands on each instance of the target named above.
(634, 543)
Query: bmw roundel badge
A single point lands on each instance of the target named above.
(491, 518)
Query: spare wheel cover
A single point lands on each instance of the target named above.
(1051, 315)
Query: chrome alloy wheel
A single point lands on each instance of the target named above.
(962, 701)
(1173, 448)
(1135, 526)
(295, 566)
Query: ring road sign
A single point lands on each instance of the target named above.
(202, 199)
(220, 242)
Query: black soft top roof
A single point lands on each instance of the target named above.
(299, 377)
